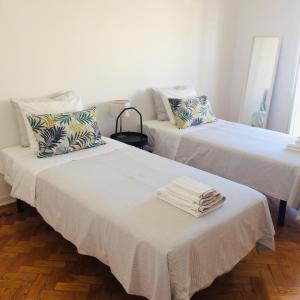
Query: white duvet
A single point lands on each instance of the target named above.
(252, 156)
(104, 202)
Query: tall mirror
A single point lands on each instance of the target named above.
(259, 88)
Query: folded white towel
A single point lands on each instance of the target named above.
(185, 196)
(192, 186)
(195, 212)
(191, 196)
(216, 201)
(187, 193)
(173, 198)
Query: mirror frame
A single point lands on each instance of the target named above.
(243, 100)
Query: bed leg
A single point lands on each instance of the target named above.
(20, 206)
(281, 213)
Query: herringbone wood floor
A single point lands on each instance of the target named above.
(37, 263)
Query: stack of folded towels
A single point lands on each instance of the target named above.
(295, 146)
(191, 196)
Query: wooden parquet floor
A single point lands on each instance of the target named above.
(38, 263)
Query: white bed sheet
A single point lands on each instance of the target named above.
(252, 156)
(105, 204)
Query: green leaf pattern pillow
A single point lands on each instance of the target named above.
(65, 132)
(191, 111)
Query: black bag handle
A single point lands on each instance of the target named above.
(121, 113)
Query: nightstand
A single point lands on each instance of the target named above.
(136, 139)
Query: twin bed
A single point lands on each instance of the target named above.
(103, 200)
(252, 156)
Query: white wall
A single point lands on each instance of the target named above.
(111, 49)
(216, 59)
(105, 49)
(267, 18)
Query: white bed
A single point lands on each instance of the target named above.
(252, 156)
(103, 201)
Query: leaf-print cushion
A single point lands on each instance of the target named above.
(191, 111)
(65, 132)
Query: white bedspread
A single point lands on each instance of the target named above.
(252, 156)
(21, 167)
(105, 204)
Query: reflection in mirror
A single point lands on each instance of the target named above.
(258, 93)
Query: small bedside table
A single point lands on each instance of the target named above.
(136, 139)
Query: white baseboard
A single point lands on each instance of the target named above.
(6, 200)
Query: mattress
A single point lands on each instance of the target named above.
(103, 201)
(252, 156)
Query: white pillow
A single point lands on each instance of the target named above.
(180, 92)
(159, 108)
(59, 96)
(40, 108)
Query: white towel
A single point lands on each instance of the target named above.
(192, 186)
(184, 195)
(191, 196)
(184, 207)
(186, 191)
(175, 199)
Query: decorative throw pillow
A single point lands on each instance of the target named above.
(191, 111)
(65, 132)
